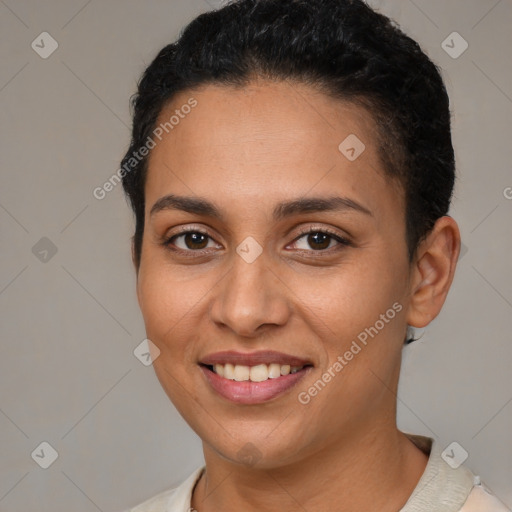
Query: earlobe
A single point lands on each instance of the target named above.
(433, 272)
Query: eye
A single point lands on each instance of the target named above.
(189, 240)
(320, 240)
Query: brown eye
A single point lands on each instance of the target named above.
(189, 241)
(319, 240)
(195, 240)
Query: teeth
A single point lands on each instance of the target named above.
(241, 373)
(274, 371)
(258, 373)
(229, 371)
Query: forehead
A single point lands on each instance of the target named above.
(265, 139)
(280, 114)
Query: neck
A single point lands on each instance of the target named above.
(373, 470)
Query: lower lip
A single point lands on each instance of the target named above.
(248, 392)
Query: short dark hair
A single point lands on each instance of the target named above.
(342, 47)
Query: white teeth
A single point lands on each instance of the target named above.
(274, 371)
(258, 373)
(219, 370)
(241, 372)
(229, 371)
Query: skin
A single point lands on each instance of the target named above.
(246, 150)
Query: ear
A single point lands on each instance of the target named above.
(433, 271)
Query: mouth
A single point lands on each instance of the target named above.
(253, 378)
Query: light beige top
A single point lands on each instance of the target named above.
(441, 488)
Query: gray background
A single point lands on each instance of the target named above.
(70, 321)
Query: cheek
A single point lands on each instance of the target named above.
(170, 311)
(358, 316)
(174, 303)
(350, 299)
(166, 304)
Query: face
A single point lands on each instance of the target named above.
(293, 253)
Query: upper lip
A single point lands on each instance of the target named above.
(253, 358)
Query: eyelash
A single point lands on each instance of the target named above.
(344, 242)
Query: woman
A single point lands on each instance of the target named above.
(291, 170)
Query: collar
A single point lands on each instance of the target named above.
(440, 488)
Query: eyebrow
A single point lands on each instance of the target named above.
(200, 206)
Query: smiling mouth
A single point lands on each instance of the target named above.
(257, 373)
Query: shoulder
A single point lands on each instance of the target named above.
(448, 485)
(157, 503)
(480, 499)
(176, 499)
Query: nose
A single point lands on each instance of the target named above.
(251, 298)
